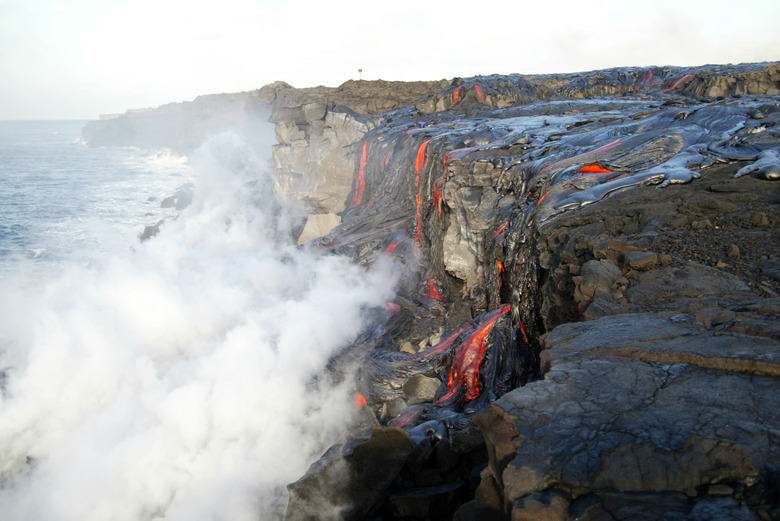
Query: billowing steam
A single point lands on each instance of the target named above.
(179, 382)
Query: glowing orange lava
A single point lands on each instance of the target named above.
(595, 168)
(647, 81)
(441, 346)
(500, 229)
(500, 268)
(419, 162)
(436, 201)
(570, 160)
(358, 402)
(468, 358)
(524, 331)
(433, 291)
(360, 182)
(456, 95)
(676, 83)
(480, 93)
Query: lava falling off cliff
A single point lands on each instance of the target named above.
(458, 186)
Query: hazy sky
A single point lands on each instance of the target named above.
(81, 58)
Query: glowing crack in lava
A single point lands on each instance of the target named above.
(464, 371)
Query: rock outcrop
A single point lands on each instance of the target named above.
(533, 207)
(658, 367)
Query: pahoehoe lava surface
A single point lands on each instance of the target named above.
(586, 320)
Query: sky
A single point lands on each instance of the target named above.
(76, 59)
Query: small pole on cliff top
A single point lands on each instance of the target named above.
(360, 74)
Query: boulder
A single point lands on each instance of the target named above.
(420, 389)
(349, 479)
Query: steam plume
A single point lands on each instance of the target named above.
(176, 382)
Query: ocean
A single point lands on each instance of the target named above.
(182, 377)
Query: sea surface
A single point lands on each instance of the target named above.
(62, 201)
(177, 378)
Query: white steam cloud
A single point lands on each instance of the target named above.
(176, 382)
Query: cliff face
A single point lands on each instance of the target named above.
(591, 263)
(589, 288)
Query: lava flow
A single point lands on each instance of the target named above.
(360, 181)
(468, 310)
(464, 371)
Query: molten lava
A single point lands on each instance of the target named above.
(570, 160)
(441, 346)
(436, 200)
(647, 81)
(456, 95)
(433, 291)
(480, 93)
(360, 182)
(501, 229)
(464, 371)
(595, 168)
(419, 162)
(524, 331)
(358, 402)
(676, 83)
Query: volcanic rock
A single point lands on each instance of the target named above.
(318, 225)
(587, 264)
(641, 319)
(349, 479)
(639, 403)
(420, 389)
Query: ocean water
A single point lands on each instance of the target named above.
(177, 378)
(61, 201)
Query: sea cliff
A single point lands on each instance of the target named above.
(586, 326)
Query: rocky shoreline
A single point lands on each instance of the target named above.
(586, 325)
